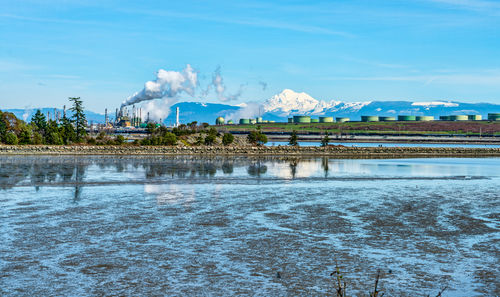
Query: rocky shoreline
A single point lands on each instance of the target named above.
(332, 151)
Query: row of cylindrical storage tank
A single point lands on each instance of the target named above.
(494, 117)
(403, 118)
(308, 119)
(258, 120)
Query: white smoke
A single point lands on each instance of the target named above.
(27, 113)
(168, 84)
(220, 87)
(247, 111)
(158, 109)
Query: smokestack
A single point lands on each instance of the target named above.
(55, 114)
(106, 117)
(177, 116)
(48, 116)
(148, 117)
(64, 111)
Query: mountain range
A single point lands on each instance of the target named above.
(289, 103)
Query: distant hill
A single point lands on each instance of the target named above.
(289, 103)
(26, 114)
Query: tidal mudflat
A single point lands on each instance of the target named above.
(188, 225)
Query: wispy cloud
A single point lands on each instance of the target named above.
(453, 79)
(477, 5)
(246, 21)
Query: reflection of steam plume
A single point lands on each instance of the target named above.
(168, 84)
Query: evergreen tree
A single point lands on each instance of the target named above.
(67, 131)
(39, 122)
(293, 139)
(78, 117)
(325, 140)
(3, 128)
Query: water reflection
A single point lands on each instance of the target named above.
(77, 171)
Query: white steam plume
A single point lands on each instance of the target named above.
(157, 109)
(168, 84)
(220, 87)
(247, 111)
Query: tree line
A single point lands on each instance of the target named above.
(42, 131)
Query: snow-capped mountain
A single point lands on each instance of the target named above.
(288, 102)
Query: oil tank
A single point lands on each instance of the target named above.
(244, 121)
(459, 118)
(369, 118)
(253, 121)
(230, 122)
(475, 117)
(342, 120)
(425, 118)
(301, 119)
(219, 121)
(406, 118)
(494, 117)
(314, 120)
(270, 122)
(290, 120)
(326, 119)
(444, 118)
(387, 119)
(259, 119)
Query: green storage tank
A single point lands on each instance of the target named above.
(494, 117)
(290, 120)
(314, 120)
(244, 121)
(343, 120)
(444, 118)
(406, 118)
(253, 121)
(387, 119)
(369, 118)
(230, 122)
(301, 119)
(259, 119)
(219, 121)
(425, 118)
(326, 119)
(459, 118)
(475, 117)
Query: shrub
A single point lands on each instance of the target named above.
(169, 139)
(227, 139)
(11, 138)
(119, 139)
(210, 139)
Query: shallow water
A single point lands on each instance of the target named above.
(389, 144)
(228, 225)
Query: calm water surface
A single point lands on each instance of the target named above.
(225, 226)
(389, 144)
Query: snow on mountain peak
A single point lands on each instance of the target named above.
(289, 101)
(435, 103)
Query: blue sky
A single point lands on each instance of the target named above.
(104, 51)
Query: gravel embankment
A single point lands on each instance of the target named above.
(333, 151)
